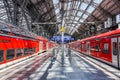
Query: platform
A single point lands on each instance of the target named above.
(76, 67)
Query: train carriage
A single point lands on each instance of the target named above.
(17, 43)
(105, 47)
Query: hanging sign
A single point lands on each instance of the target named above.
(63, 29)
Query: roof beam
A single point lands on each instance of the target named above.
(87, 13)
(103, 11)
(117, 2)
(95, 18)
(46, 13)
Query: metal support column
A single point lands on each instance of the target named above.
(63, 37)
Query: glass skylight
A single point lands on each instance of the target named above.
(69, 5)
(76, 18)
(90, 9)
(57, 11)
(83, 6)
(55, 1)
(81, 20)
(77, 26)
(97, 1)
(85, 16)
(73, 25)
(72, 17)
(79, 13)
(75, 12)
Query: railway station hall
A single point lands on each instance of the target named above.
(59, 39)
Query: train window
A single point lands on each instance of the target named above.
(106, 48)
(92, 48)
(34, 49)
(31, 50)
(97, 47)
(78, 46)
(26, 51)
(19, 52)
(1, 55)
(10, 54)
(115, 48)
(84, 46)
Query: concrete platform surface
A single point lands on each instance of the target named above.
(63, 67)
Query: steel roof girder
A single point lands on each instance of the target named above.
(117, 2)
(95, 18)
(103, 11)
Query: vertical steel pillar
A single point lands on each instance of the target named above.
(63, 37)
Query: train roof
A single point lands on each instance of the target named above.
(42, 39)
(110, 33)
(114, 32)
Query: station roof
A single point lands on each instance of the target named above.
(41, 11)
(76, 11)
(106, 9)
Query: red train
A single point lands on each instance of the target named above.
(105, 47)
(16, 43)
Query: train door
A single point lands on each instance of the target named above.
(115, 51)
(119, 50)
(88, 48)
(47, 45)
(41, 46)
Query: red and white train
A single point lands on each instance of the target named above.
(16, 43)
(105, 47)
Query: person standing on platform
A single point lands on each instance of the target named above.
(69, 53)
